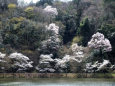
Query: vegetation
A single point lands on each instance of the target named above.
(61, 33)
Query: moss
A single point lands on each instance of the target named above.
(12, 6)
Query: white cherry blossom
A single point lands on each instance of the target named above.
(98, 41)
(51, 10)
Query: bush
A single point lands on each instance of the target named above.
(29, 12)
(76, 39)
(16, 20)
(29, 9)
(12, 6)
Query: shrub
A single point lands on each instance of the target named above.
(12, 6)
(76, 39)
(29, 12)
(17, 19)
(29, 9)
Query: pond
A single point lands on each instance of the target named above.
(57, 82)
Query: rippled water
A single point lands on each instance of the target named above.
(57, 82)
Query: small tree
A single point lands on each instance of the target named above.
(53, 42)
(51, 11)
(20, 62)
(99, 42)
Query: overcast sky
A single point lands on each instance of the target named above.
(28, 1)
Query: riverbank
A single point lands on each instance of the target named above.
(57, 75)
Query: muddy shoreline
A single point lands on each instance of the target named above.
(57, 75)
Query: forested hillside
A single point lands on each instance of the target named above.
(55, 36)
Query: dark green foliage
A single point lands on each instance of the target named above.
(109, 31)
(70, 16)
(42, 2)
(106, 1)
(70, 30)
(3, 5)
(109, 7)
(85, 31)
(26, 33)
(77, 2)
(23, 28)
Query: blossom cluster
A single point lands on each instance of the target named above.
(96, 67)
(20, 61)
(53, 41)
(45, 63)
(77, 56)
(51, 10)
(53, 28)
(98, 41)
(2, 56)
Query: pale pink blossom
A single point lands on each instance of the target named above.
(53, 28)
(51, 10)
(98, 41)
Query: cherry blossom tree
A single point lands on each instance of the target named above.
(53, 28)
(2, 56)
(50, 10)
(53, 41)
(99, 42)
(46, 63)
(20, 62)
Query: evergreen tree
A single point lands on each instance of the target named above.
(42, 2)
(85, 31)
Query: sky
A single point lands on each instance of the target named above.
(34, 1)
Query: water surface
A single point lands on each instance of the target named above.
(57, 82)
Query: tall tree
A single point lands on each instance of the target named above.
(85, 31)
(42, 2)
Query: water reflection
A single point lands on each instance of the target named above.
(58, 82)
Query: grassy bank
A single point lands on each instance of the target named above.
(57, 75)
